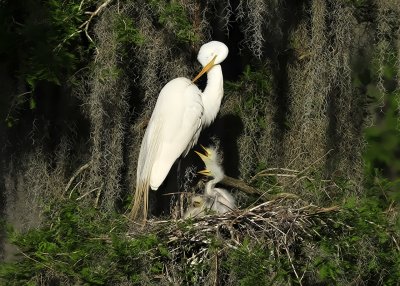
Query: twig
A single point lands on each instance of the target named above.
(295, 158)
(291, 263)
(216, 270)
(263, 172)
(14, 102)
(81, 4)
(326, 210)
(73, 189)
(395, 242)
(276, 174)
(33, 259)
(87, 193)
(296, 174)
(96, 204)
(316, 161)
(77, 172)
(242, 186)
(58, 47)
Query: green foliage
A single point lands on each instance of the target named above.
(41, 41)
(45, 36)
(80, 245)
(256, 84)
(360, 246)
(251, 264)
(84, 246)
(174, 17)
(126, 32)
(383, 150)
(384, 144)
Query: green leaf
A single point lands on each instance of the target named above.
(32, 103)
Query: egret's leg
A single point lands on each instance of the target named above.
(176, 199)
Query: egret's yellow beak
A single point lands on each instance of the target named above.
(205, 69)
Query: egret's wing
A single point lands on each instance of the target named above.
(175, 122)
(181, 127)
(193, 121)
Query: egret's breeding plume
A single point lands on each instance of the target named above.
(214, 199)
(181, 111)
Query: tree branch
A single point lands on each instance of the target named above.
(85, 25)
(244, 187)
(240, 185)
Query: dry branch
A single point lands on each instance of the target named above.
(240, 185)
(76, 174)
(85, 25)
(244, 187)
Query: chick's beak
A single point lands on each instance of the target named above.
(204, 158)
(205, 172)
(205, 69)
(207, 151)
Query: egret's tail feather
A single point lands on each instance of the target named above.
(147, 155)
(140, 205)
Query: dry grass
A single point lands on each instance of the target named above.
(32, 183)
(256, 143)
(108, 114)
(326, 113)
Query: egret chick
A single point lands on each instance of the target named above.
(197, 207)
(215, 199)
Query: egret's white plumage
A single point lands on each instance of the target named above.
(181, 111)
(214, 199)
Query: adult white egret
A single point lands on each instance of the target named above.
(181, 111)
(214, 199)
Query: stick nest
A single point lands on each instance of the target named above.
(280, 225)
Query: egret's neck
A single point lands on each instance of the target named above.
(210, 188)
(210, 185)
(212, 94)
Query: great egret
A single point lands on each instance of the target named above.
(181, 111)
(214, 199)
